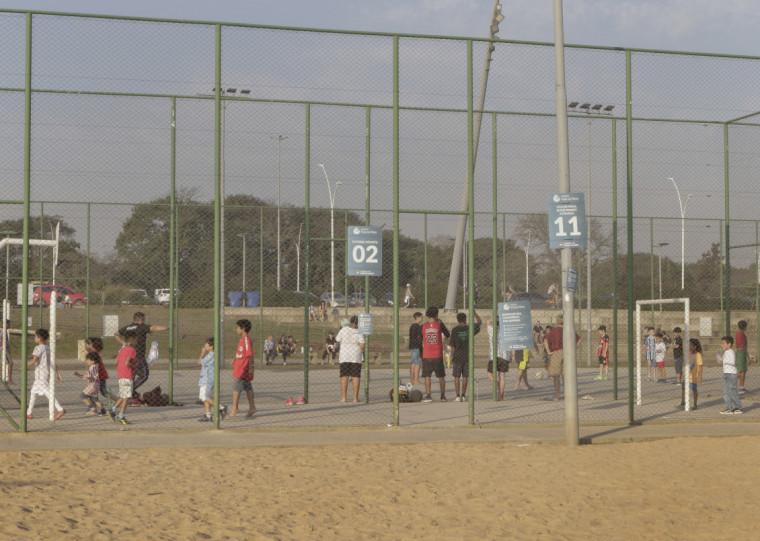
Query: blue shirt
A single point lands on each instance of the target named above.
(207, 370)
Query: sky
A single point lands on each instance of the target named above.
(715, 26)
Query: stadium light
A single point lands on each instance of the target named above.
(589, 110)
(279, 139)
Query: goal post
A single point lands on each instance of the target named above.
(686, 343)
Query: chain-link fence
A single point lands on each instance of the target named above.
(204, 173)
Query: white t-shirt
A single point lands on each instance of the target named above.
(42, 368)
(729, 362)
(350, 349)
(659, 352)
(499, 352)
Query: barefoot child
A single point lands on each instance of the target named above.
(206, 382)
(41, 364)
(90, 393)
(242, 372)
(125, 370)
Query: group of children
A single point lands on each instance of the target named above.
(285, 347)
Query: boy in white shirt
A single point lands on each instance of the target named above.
(41, 363)
(730, 378)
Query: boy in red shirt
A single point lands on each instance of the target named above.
(242, 369)
(125, 371)
(432, 352)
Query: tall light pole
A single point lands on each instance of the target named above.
(331, 193)
(244, 242)
(298, 259)
(589, 110)
(659, 256)
(493, 29)
(527, 252)
(279, 139)
(682, 206)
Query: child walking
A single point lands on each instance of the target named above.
(90, 393)
(603, 352)
(94, 344)
(730, 377)
(741, 354)
(695, 372)
(206, 382)
(125, 370)
(242, 372)
(649, 344)
(41, 363)
(659, 357)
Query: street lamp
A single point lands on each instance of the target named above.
(659, 256)
(682, 206)
(588, 110)
(527, 251)
(244, 242)
(331, 193)
(279, 139)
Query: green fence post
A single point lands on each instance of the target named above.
(218, 330)
(425, 254)
(629, 223)
(651, 268)
(87, 288)
(261, 279)
(494, 256)
(614, 265)
(172, 245)
(307, 240)
(367, 210)
(395, 227)
(471, 252)
(726, 198)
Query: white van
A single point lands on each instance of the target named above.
(161, 296)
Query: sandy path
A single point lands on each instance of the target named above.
(687, 488)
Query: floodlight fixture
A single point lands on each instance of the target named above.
(573, 104)
(597, 107)
(245, 91)
(498, 9)
(231, 90)
(499, 17)
(586, 106)
(609, 109)
(492, 48)
(494, 29)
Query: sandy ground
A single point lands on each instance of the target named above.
(682, 488)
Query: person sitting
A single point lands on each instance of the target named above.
(322, 311)
(282, 348)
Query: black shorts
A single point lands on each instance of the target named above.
(502, 365)
(430, 366)
(461, 368)
(604, 360)
(353, 370)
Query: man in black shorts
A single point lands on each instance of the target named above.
(460, 351)
(142, 331)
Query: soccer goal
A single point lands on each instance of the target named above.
(639, 338)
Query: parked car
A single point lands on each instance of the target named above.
(340, 300)
(386, 300)
(161, 296)
(77, 299)
(536, 300)
(295, 298)
(136, 296)
(357, 299)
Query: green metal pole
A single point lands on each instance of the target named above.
(722, 264)
(395, 228)
(425, 246)
(757, 284)
(345, 261)
(42, 233)
(172, 243)
(504, 252)
(726, 198)
(307, 239)
(471, 252)
(25, 227)
(261, 282)
(494, 256)
(218, 330)
(614, 264)
(629, 223)
(367, 211)
(87, 289)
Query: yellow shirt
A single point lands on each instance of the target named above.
(695, 376)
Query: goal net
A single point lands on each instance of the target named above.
(639, 339)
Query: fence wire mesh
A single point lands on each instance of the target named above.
(123, 132)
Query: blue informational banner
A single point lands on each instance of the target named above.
(572, 281)
(365, 250)
(567, 221)
(515, 329)
(365, 324)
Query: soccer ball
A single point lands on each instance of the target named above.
(539, 374)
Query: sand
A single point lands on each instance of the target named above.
(682, 488)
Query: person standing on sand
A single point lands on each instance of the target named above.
(553, 344)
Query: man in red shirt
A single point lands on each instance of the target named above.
(242, 369)
(553, 343)
(432, 352)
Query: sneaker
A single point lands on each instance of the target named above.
(427, 398)
(605, 378)
(289, 401)
(443, 398)
(30, 416)
(598, 378)
(204, 419)
(738, 411)
(123, 420)
(694, 407)
(464, 398)
(676, 383)
(92, 412)
(102, 413)
(742, 391)
(111, 415)
(300, 400)
(458, 399)
(59, 414)
(726, 412)
(223, 412)
(680, 406)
